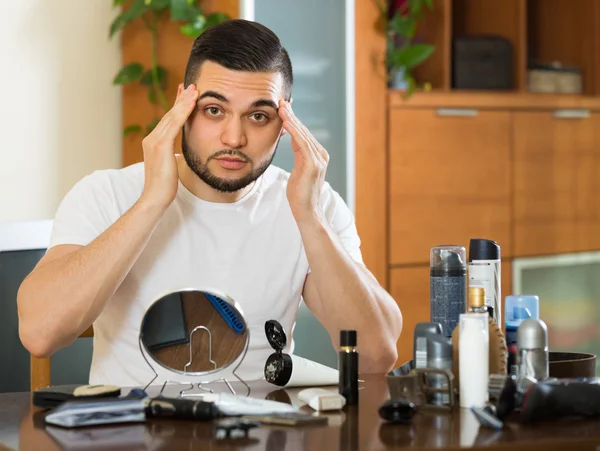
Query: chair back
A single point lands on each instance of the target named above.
(22, 245)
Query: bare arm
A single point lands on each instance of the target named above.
(344, 294)
(340, 292)
(71, 285)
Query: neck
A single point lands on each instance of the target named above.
(482, 309)
(201, 190)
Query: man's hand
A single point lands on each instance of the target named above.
(310, 165)
(161, 177)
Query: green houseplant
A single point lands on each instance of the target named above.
(403, 54)
(192, 23)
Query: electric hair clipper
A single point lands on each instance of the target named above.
(539, 400)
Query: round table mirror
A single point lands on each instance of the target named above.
(194, 332)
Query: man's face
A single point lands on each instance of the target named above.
(231, 137)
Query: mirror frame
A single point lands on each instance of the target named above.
(240, 358)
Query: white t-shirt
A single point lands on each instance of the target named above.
(250, 249)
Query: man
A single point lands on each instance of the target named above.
(219, 215)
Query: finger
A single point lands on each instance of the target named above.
(300, 140)
(171, 123)
(312, 143)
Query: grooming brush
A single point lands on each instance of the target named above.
(226, 312)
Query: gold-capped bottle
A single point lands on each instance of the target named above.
(498, 350)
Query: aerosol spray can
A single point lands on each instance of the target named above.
(484, 271)
(447, 286)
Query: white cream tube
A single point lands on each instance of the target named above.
(308, 373)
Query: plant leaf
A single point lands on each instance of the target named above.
(215, 18)
(429, 4)
(119, 2)
(416, 6)
(161, 74)
(152, 96)
(133, 12)
(132, 129)
(412, 56)
(184, 10)
(158, 4)
(195, 28)
(412, 84)
(403, 25)
(151, 126)
(129, 73)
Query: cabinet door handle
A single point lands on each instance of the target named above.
(457, 112)
(571, 114)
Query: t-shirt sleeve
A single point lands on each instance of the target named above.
(342, 222)
(85, 212)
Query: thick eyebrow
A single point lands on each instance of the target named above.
(265, 102)
(213, 94)
(257, 104)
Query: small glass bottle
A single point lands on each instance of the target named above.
(348, 367)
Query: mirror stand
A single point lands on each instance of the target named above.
(185, 392)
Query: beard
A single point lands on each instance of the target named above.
(223, 184)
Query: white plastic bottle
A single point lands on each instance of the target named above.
(473, 359)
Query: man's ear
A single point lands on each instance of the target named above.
(180, 89)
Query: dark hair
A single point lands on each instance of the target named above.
(240, 45)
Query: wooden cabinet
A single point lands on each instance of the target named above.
(557, 181)
(410, 288)
(449, 180)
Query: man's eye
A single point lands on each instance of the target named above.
(213, 111)
(259, 117)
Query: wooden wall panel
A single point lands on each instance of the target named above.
(556, 183)
(451, 181)
(371, 137)
(173, 52)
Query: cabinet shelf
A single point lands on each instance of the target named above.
(561, 32)
(492, 99)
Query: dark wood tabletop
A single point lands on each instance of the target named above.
(357, 428)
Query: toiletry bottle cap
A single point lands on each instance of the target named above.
(520, 307)
(438, 347)
(482, 249)
(275, 335)
(447, 259)
(532, 334)
(476, 296)
(348, 338)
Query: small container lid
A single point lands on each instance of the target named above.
(532, 334)
(348, 338)
(438, 347)
(482, 249)
(278, 369)
(476, 297)
(447, 258)
(521, 307)
(275, 334)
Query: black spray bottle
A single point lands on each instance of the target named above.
(348, 367)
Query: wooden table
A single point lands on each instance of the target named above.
(354, 429)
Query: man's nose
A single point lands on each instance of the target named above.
(233, 135)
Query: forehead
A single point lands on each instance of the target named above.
(238, 85)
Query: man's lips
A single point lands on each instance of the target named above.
(230, 163)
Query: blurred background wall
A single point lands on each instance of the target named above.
(59, 114)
